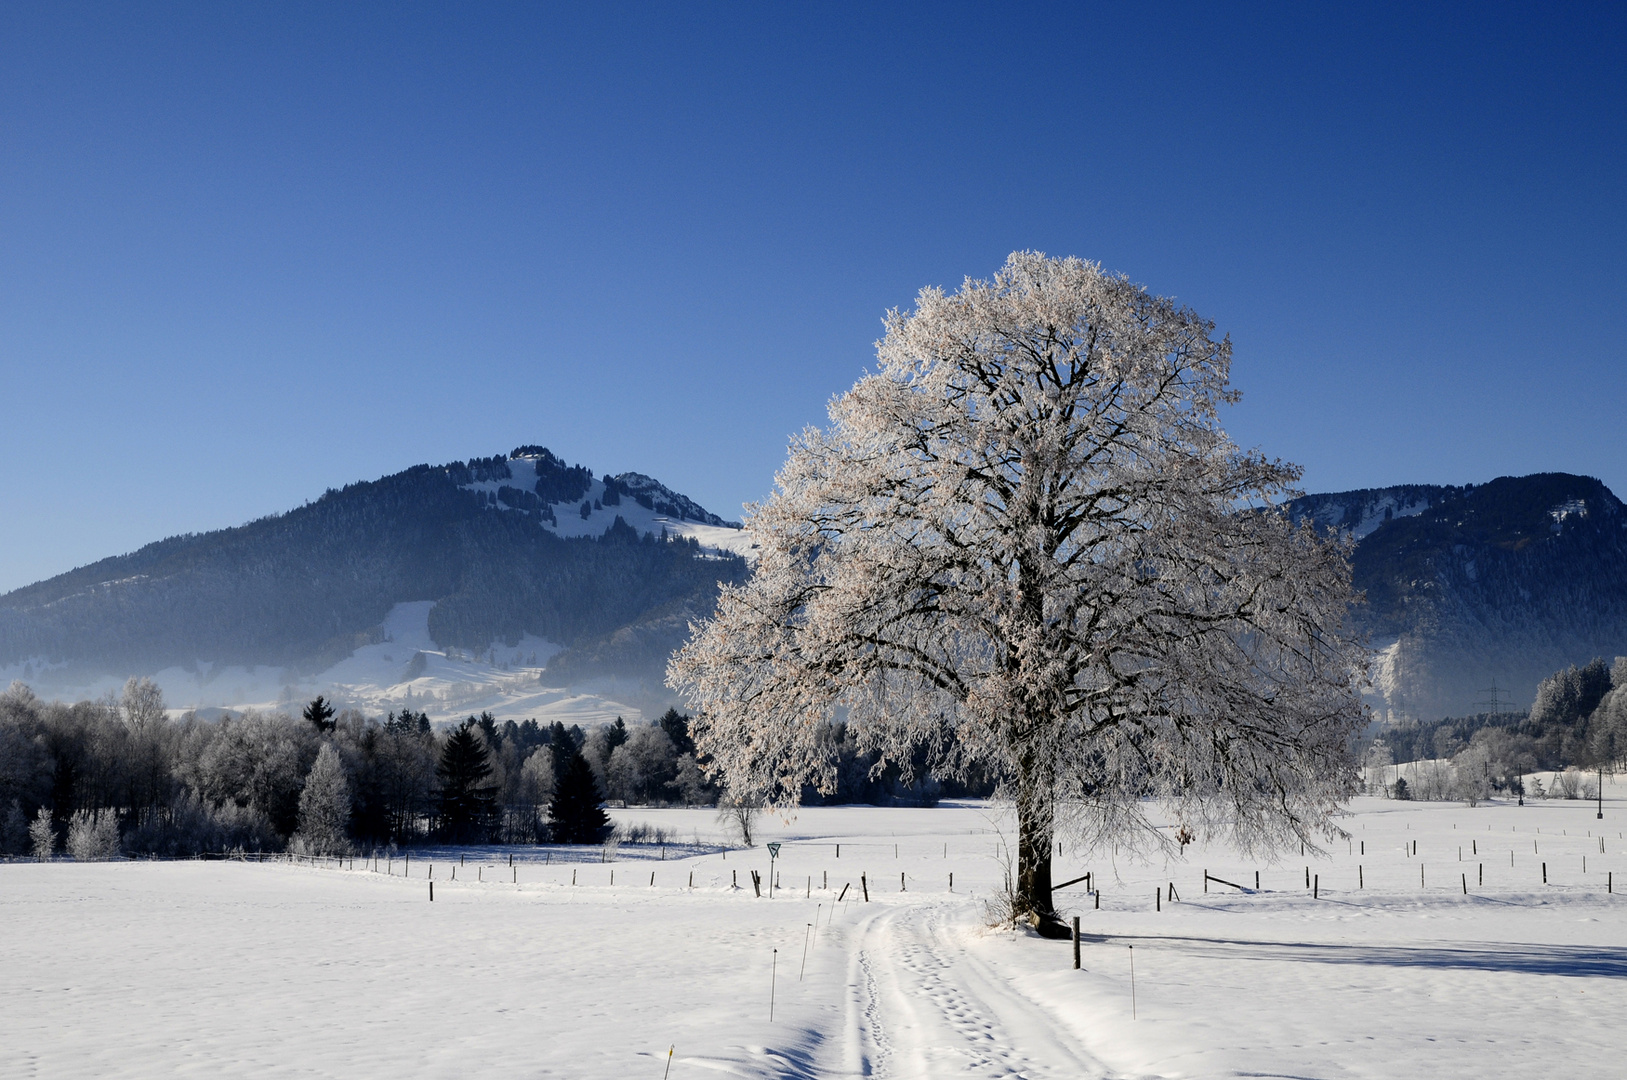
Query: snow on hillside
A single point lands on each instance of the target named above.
(404, 670)
(1359, 513)
(571, 522)
(1451, 959)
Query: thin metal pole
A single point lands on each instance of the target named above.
(1132, 982)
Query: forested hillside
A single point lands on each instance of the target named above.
(305, 588)
(1502, 582)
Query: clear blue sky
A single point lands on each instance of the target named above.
(250, 252)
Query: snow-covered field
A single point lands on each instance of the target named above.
(234, 969)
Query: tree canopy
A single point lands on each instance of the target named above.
(1026, 541)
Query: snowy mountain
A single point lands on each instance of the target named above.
(1503, 582)
(514, 583)
(1358, 513)
(533, 588)
(568, 501)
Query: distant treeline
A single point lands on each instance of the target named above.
(1578, 721)
(120, 774)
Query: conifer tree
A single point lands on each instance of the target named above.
(676, 725)
(320, 714)
(467, 801)
(577, 816)
(562, 746)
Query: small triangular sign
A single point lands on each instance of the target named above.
(774, 850)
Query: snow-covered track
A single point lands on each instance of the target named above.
(922, 1004)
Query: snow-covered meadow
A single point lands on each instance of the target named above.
(147, 969)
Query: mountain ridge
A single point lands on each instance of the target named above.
(533, 565)
(1500, 583)
(569, 558)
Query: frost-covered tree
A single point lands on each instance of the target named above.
(537, 777)
(1608, 729)
(1026, 541)
(1471, 775)
(737, 812)
(42, 835)
(529, 795)
(642, 768)
(258, 760)
(324, 805)
(149, 744)
(1378, 760)
(93, 837)
(143, 704)
(1568, 697)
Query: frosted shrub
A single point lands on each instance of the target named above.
(1433, 781)
(643, 833)
(42, 835)
(1472, 776)
(93, 837)
(1568, 784)
(1001, 907)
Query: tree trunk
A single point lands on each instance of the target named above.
(1035, 831)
